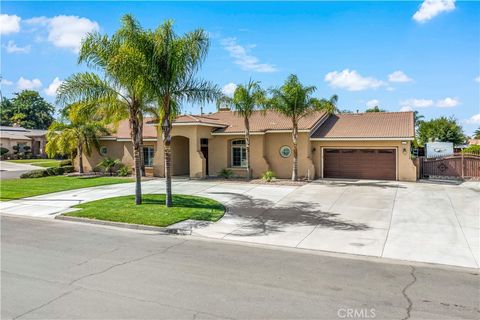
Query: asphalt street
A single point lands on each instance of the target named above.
(60, 270)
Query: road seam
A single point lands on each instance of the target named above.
(391, 218)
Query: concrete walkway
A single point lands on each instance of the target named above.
(435, 223)
(11, 170)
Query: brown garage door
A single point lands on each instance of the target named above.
(359, 163)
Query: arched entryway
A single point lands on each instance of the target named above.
(180, 156)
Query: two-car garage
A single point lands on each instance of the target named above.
(365, 163)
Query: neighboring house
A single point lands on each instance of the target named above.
(21, 137)
(474, 142)
(358, 146)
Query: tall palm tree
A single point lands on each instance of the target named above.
(295, 101)
(173, 62)
(77, 134)
(246, 99)
(330, 105)
(120, 92)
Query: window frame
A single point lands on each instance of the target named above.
(150, 156)
(243, 151)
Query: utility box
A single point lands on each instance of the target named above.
(438, 149)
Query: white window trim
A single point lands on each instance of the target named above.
(241, 147)
(153, 155)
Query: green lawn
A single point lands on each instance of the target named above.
(152, 211)
(21, 188)
(46, 163)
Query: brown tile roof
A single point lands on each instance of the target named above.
(263, 121)
(367, 125)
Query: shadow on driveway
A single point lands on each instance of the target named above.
(264, 216)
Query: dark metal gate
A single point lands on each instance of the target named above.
(455, 166)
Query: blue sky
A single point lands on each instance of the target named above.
(400, 55)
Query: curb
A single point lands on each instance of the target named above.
(165, 230)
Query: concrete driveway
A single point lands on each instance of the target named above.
(435, 223)
(10, 170)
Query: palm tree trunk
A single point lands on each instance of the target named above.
(247, 147)
(295, 152)
(80, 158)
(136, 141)
(142, 161)
(167, 139)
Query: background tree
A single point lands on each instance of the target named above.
(476, 134)
(121, 92)
(27, 109)
(417, 118)
(173, 63)
(330, 105)
(246, 99)
(295, 101)
(77, 134)
(375, 109)
(441, 129)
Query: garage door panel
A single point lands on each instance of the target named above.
(360, 163)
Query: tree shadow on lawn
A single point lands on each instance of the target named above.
(264, 216)
(183, 201)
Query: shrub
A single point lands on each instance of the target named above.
(268, 176)
(226, 173)
(474, 148)
(110, 165)
(123, 171)
(33, 174)
(65, 163)
(3, 151)
(55, 171)
(68, 169)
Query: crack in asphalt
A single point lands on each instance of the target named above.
(126, 262)
(46, 303)
(404, 292)
(96, 257)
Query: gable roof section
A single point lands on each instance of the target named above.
(381, 125)
(261, 122)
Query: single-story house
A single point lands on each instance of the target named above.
(354, 145)
(21, 137)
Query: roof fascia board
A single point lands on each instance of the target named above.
(365, 139)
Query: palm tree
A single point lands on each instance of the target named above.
(173, 62)
(295, 101)
(120, 92)
(476, 134)
(330, 105)
(77, 134)
(417, 118)
(246, 99)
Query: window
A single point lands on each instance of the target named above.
(148, 153)
(239, 153)
(285, 151)
(103, 151)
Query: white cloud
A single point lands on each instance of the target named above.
(477, 79)
(418, 103)
(12, 47)
(426, 103)
(406, 108)
(6, 82)
(447, 102)
(372, 103)
(26, 84)
(351, 80)
(51, 90)
(475, 119)
(9, 24)
(398, 76)
(66, 31)
(229, 89)
(244, 59)
(431, 8)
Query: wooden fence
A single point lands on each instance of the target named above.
(460, 165)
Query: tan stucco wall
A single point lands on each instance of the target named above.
(265, 154)
(406, 170)
(9, 143)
